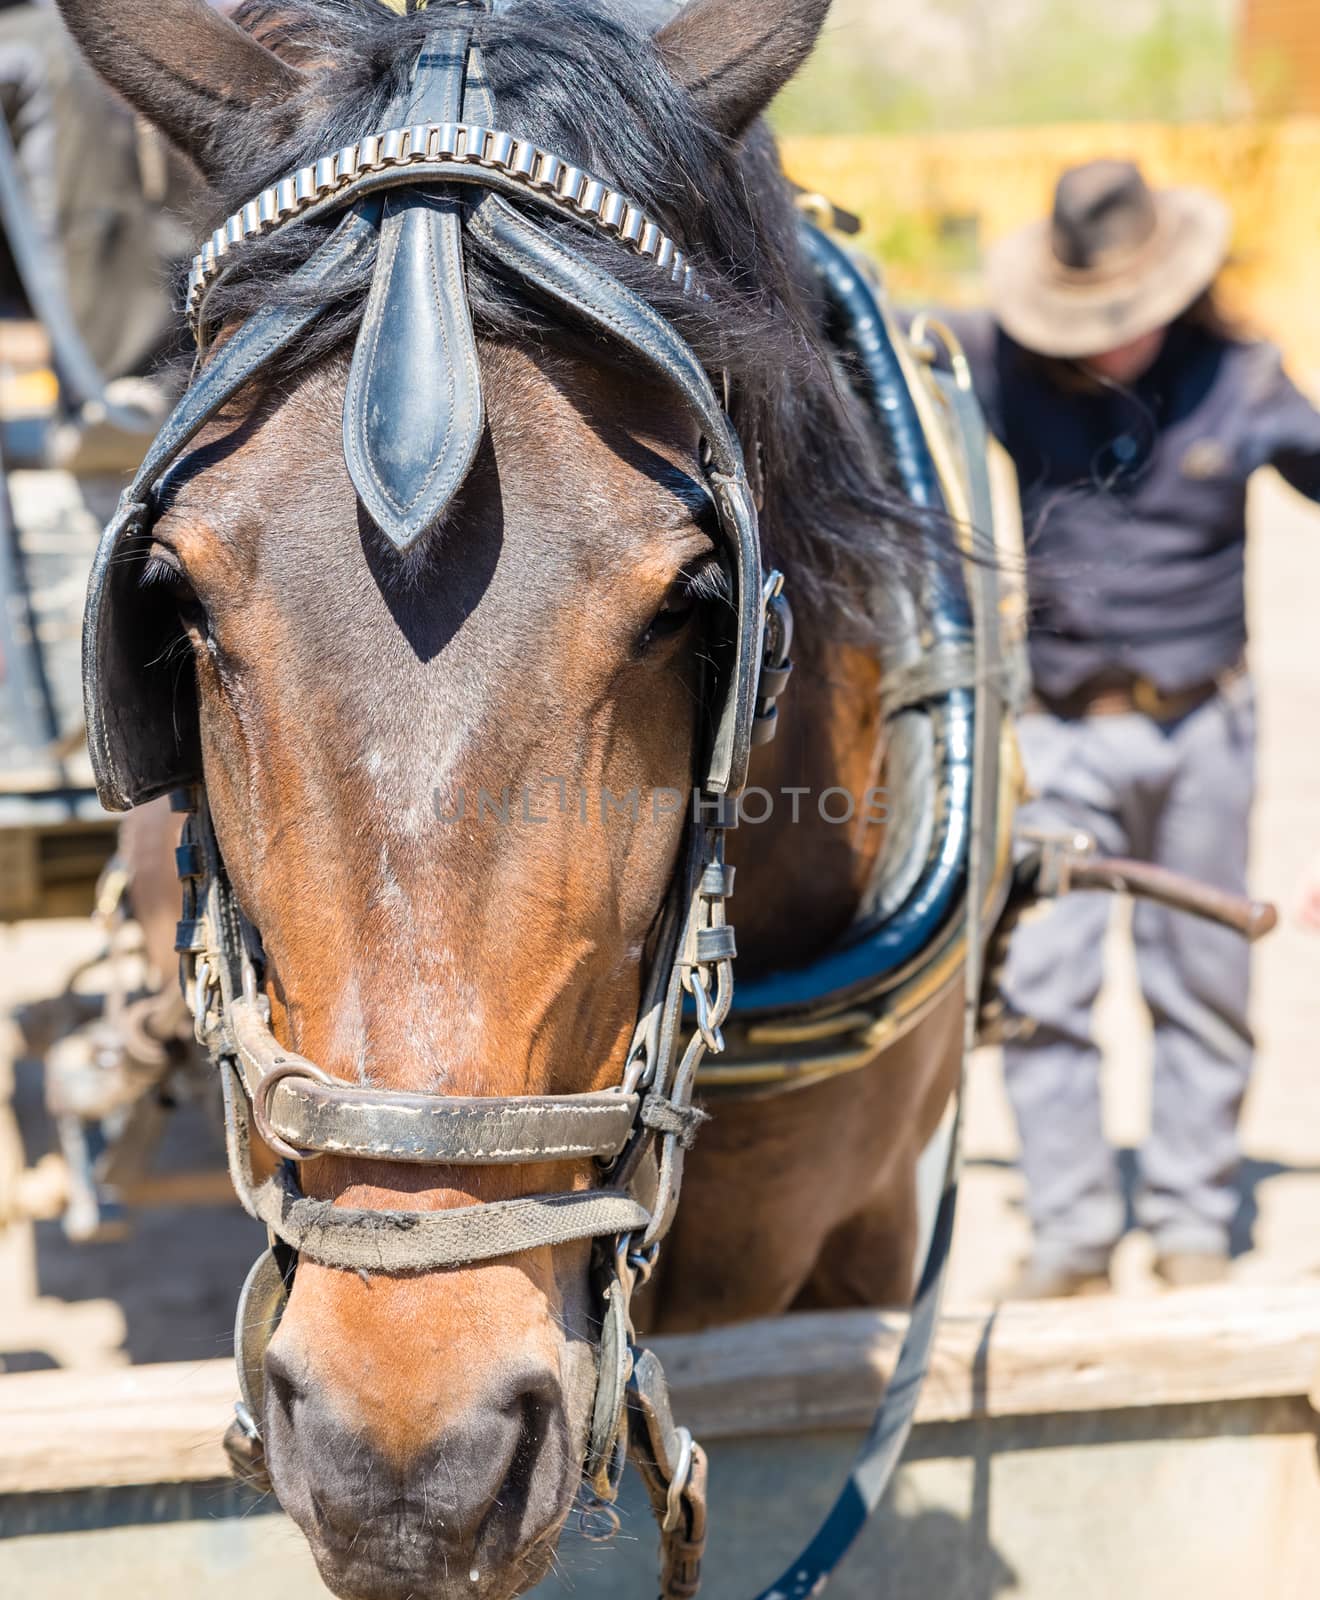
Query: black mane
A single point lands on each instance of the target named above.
(575, 78)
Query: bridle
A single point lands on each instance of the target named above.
(423, 376)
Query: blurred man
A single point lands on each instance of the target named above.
(1135, 414)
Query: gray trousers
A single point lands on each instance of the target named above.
(1180, 795)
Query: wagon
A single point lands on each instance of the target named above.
(54, 837)
(1143, 1448)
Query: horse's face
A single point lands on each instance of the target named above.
(449, 789)
(449, 797)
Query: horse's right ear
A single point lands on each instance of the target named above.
(185, 67)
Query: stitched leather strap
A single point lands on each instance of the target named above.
(426, 1241)
(413, 412)
(411, 1241)
(294, 1100)
(602, 302)
(139, 743)
(449, 1130)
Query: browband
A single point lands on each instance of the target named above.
(449, 152)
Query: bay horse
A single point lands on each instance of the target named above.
(366, 705)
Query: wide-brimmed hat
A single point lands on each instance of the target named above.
(1116, 259)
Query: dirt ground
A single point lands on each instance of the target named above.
(167, 1292)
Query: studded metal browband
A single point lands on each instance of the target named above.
(456, 152)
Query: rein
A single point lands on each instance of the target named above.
(937, 895)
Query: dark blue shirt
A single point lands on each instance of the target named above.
(1134, 499)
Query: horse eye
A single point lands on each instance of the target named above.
(680, 605)
(164, 573)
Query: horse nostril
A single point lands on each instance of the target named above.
(282, 1387)
(535, 1411)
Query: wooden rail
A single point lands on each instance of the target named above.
(162, 1424)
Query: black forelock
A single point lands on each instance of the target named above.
(581, 78)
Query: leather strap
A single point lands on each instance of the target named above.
(413, 410)
(428, 1241)
(411, 1241)
(602, 302)
(133, 735)
(449, 1130)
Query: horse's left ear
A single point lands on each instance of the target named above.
(734, 56)
(186, 68)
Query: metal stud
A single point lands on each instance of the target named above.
(613, 208)
(548, 173)
(286, 197)
(393, 147)
(633, 223)
(268, 209)
(304, 185)
(474, 144)
(369, 153)
(219, 243)
(522, 163)
(569, 187)
(650, 239)
(346, 164)
(664, 255)
(592, 198)
(500, 150)
(251, 218)
(325, 174)
(446, 139)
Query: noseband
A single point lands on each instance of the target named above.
(413, 418)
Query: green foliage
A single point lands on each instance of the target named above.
(1064, 61)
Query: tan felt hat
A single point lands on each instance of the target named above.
(1115, 260)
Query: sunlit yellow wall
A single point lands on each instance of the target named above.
(930, 203)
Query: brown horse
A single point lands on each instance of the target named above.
(426, 1431)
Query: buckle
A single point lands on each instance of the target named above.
(1152, 701)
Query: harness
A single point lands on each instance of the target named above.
(413, 419)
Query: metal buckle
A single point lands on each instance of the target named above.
(261, 1092)
(1151, 700)
(679, 1482)
(694, 981)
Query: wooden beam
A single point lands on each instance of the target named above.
(162, 1424)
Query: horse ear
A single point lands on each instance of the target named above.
(734, 56)
(185, 67)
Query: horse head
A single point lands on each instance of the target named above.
(448, 758)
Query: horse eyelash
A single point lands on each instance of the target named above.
(156, 571)
(710, 581)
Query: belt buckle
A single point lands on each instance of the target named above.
(1150, 699)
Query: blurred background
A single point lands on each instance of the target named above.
(944, 123)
